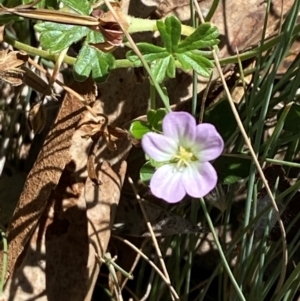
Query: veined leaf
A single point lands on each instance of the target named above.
(199, 63)
(149, 57)
(91, 60)
(94, 37)
(149, 48)
(204, 36)
(186, 66)
(162, 59)
(163, 68)
(170, 32)
(57, 37)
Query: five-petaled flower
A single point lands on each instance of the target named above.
(183, 150)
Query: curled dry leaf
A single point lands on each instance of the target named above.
(13, 71)
(32, 80)
(10, 63)
(100, 128)
(110, 28)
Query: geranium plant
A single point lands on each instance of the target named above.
(183, 152)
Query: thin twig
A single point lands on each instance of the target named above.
(160, 257)
(163, 97)
(65, 87)
(152, 264)
(136, 260)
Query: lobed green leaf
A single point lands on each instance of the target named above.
(170, 32)
(94, 37)
(149, 51)
(149, 48)
(57, 37)
(91, 60)
(163, 68)
(204, 36)
(199, 63)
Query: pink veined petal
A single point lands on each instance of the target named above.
(180, 126)
(208, 143)
(166, 184)
(199, 179)
(159, 147)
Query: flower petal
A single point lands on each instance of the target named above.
(159, 147)
(166, 184)
(199, 179)
(180, 126)
(209, 144)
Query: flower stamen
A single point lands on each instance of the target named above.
(183, 158)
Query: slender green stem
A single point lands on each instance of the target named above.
(152, 97)
(195, 76)
(220, 250)
(270, 145)
(269, 160)
(141, 25)
(293, 278)
(212, 10)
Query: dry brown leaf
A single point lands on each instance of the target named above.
(13, 71)
(241, 23)
(10, 61)
(62, 229)
(101, 215)
(290, 58)
(32, 80)
(110, 29)
(118, 96)
(45, 174)
(60, 262)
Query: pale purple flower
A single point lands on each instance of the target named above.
(184, 150)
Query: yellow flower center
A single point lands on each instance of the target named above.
(183, 158)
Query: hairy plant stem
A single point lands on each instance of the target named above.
(141, 25)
